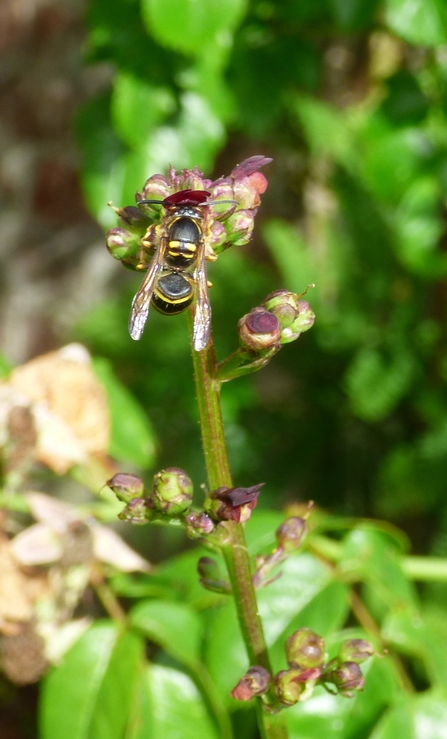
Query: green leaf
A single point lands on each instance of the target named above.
(173, 626)
(317, 119)
(372, 556)
(185, 25)
(132, 437)
(302, 578)
(421, 22)
(335, 717)
(137, 107)
(419, 717)
(375, 385)
(409, 631)
(291, 253)
(102, 153)
(71, 689)
(116, 695)
(171, 707)
(5, 367)
(260, 530)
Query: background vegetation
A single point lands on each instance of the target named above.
(349, 97)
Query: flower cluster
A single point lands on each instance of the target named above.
(171, 498)
(308, 667)
(232, 204)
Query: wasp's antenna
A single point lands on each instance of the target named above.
(149, 202)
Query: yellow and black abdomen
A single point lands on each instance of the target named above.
(183, 240)
(172, 294)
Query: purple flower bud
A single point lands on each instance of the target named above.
(126, 486)
(355, 650)
(291, 533)
(305, 649)
(256, 681)
(198, 524)
(259, 330)
(172, 492)
(347, 678)
(136, 511)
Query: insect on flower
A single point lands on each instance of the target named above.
(177, 273)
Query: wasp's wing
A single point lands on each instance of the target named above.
(142, 300)
(202, 315)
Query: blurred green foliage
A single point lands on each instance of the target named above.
(350, 98)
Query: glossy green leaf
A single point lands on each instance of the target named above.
(174, 626)
(324, 614)
(185, 25)
(335, 717)
(419, 717)
(372, 556)
(260, 530)
(115, 698)
(71, 689)
(170, 706)
(422, 22)
(137, 107)
(225, 653)
(303, 577)
(132, 438)
(409, 632)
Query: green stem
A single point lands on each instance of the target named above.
(235, 550)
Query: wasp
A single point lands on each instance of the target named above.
(176, 275)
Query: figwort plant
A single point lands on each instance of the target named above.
(181, 221)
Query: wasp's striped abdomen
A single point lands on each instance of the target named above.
(183, 238)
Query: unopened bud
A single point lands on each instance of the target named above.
(305, 649)
(288, 688)
(284, 305)
(198, 524)
(123, 245)
(172, 492)
(156, 187)
(355, 650)
(303, 322)
(347, 678)
(239, 227)
(126, 486)
(259, 330)
(133, 218)
(291, 533)
(211, 577)
(136, 511)
(256, 681)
